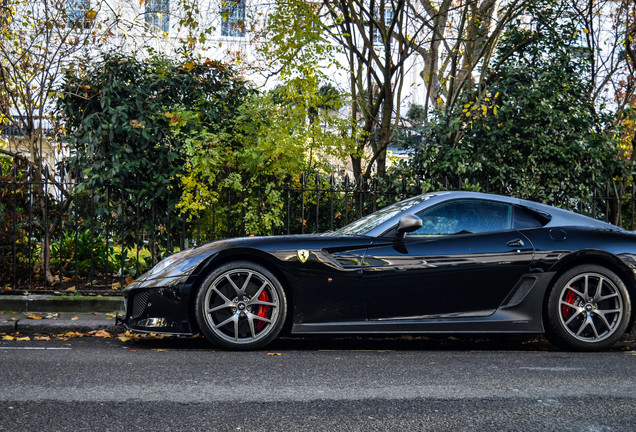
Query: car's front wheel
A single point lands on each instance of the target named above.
(588, 309)
(241, 306)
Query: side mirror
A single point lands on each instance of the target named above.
(408, 223)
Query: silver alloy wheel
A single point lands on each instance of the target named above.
(590, 307)
(241, 306)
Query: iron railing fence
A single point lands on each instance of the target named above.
(99, 240)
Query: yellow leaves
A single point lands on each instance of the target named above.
(100, 333)
(494, 109)
(34, 316)
(15, 338)
(275, 354)
(42, 338)
(484, 109)
(189, 66)
(173, 118)
(91, 14)
(586, 31)
(72, 334)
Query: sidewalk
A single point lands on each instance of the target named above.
(50, 314)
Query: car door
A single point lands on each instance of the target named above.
(464, 261)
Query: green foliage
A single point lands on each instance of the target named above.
(129, 123)
(285, 131)
(80, 249)
(532, 130)
(82, 253)
(295, 40)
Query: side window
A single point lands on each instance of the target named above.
(464, 216)
(525, 218)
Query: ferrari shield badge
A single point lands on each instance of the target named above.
(303, 254)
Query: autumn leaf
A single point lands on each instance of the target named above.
(91, 14)
(34, 316)
(42, 338)
(8, 338)
(275, 354)
(25, 338)
(12, 319)
(124, 338)
(100, 333)
(72, 334)
(74, 318)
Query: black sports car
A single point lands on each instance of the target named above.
(447, 262)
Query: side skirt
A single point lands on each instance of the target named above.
(520, 312)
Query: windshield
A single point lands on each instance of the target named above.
(369, 222)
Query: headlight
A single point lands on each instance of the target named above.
(163, 264)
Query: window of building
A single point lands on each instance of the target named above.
(233, 18)
(388, 16)
(158, 14)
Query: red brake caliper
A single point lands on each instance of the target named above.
(263, 311)
(570, 297)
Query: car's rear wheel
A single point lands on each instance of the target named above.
(241, 306)
(588, 309)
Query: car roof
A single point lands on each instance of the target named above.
(557, 217)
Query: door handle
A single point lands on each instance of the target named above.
(516, 243)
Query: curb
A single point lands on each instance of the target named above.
(52, 303)
(60, 325)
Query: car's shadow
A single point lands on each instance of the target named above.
(364, 343)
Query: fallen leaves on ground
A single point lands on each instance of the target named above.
(12, 319)
(34, 316)
(15, 338)
(72, 334)
(275, 354)
(100, 333)
(42, 338)
(74, 318)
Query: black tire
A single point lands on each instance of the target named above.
(241, 306)
(588, 309)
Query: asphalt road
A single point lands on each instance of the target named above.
(350, 384)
